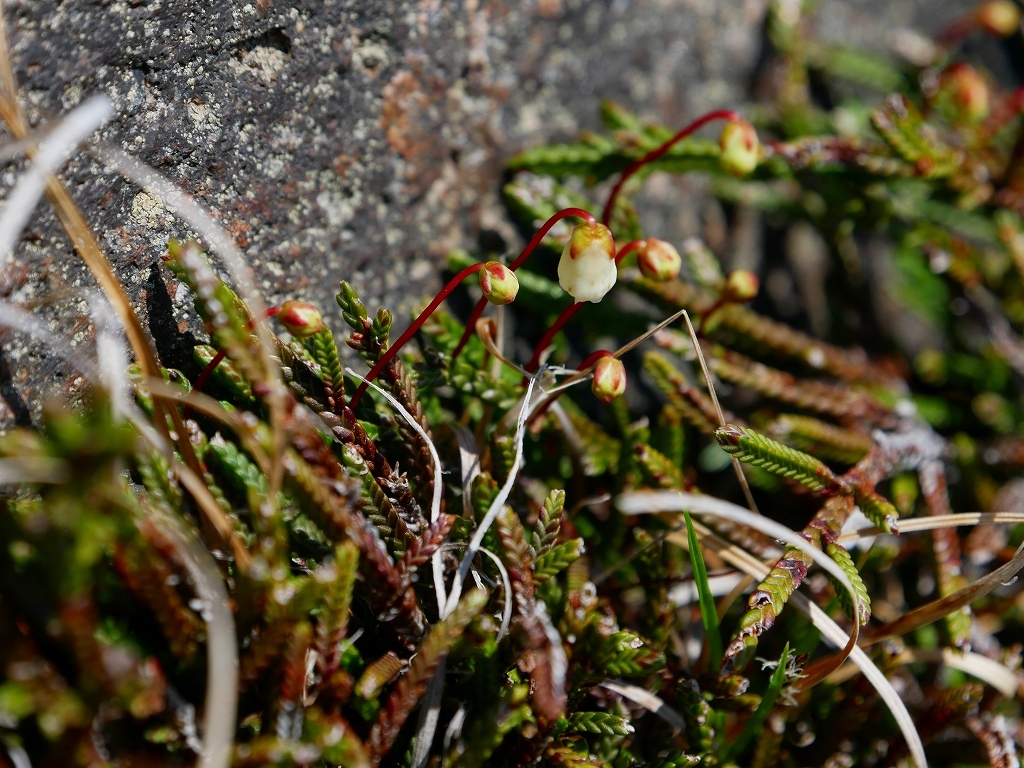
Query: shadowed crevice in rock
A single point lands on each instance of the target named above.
(9, 392)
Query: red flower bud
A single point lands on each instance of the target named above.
(963, 94)
(609, 379)
(499, 283)
(658, 260)
(301, 319)
(998, 17)
(741, 286)
(740, 148)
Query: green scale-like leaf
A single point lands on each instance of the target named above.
(754, 448)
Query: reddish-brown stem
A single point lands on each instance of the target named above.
(956, 30)
(569, 312)
(591, 360)
(655, 154)
(208, 370)
(628, 248)
(1008, 109)
(393, 350)
(531, 246)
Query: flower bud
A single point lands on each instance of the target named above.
(609, 379)
(963, 94)
(499, 283)
(740, 147)
(587, 268)
(301, 319)
(658, 260)
(741, 286)
(998, 17)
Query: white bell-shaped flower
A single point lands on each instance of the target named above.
(587, 268)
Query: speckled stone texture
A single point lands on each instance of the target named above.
(356, 139)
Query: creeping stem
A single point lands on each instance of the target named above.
(655, 154)
(531, 246)
(389, 355)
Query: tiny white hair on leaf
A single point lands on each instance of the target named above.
(496, 506)
(435, 501)
(53, 152)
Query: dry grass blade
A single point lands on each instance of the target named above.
(221, 650)
(829, 629)
(936, 609)
(918, 524)
(496, 506)
(438, 486)
(983, 668)
(742, 478)
(649, 502)
(647, 700)
(182, 204)
(57, 149)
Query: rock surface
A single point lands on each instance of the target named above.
(355, 139)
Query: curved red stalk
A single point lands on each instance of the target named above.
(389, 355)
(628, 248)
(208, 370)
(956, 30)
(531, 246)
(569, 312)
(655, 154)
(1008, 109)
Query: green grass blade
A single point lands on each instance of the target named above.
(756, 721)
(708, 612)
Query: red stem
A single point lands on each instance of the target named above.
(956, 30)
(1001, 115)
(389, 355)
(208, 370)
(593, 358)
(569, 312)
(655, 154)
(531, 246)
(628, 248)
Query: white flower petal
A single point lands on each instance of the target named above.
(589, 276)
